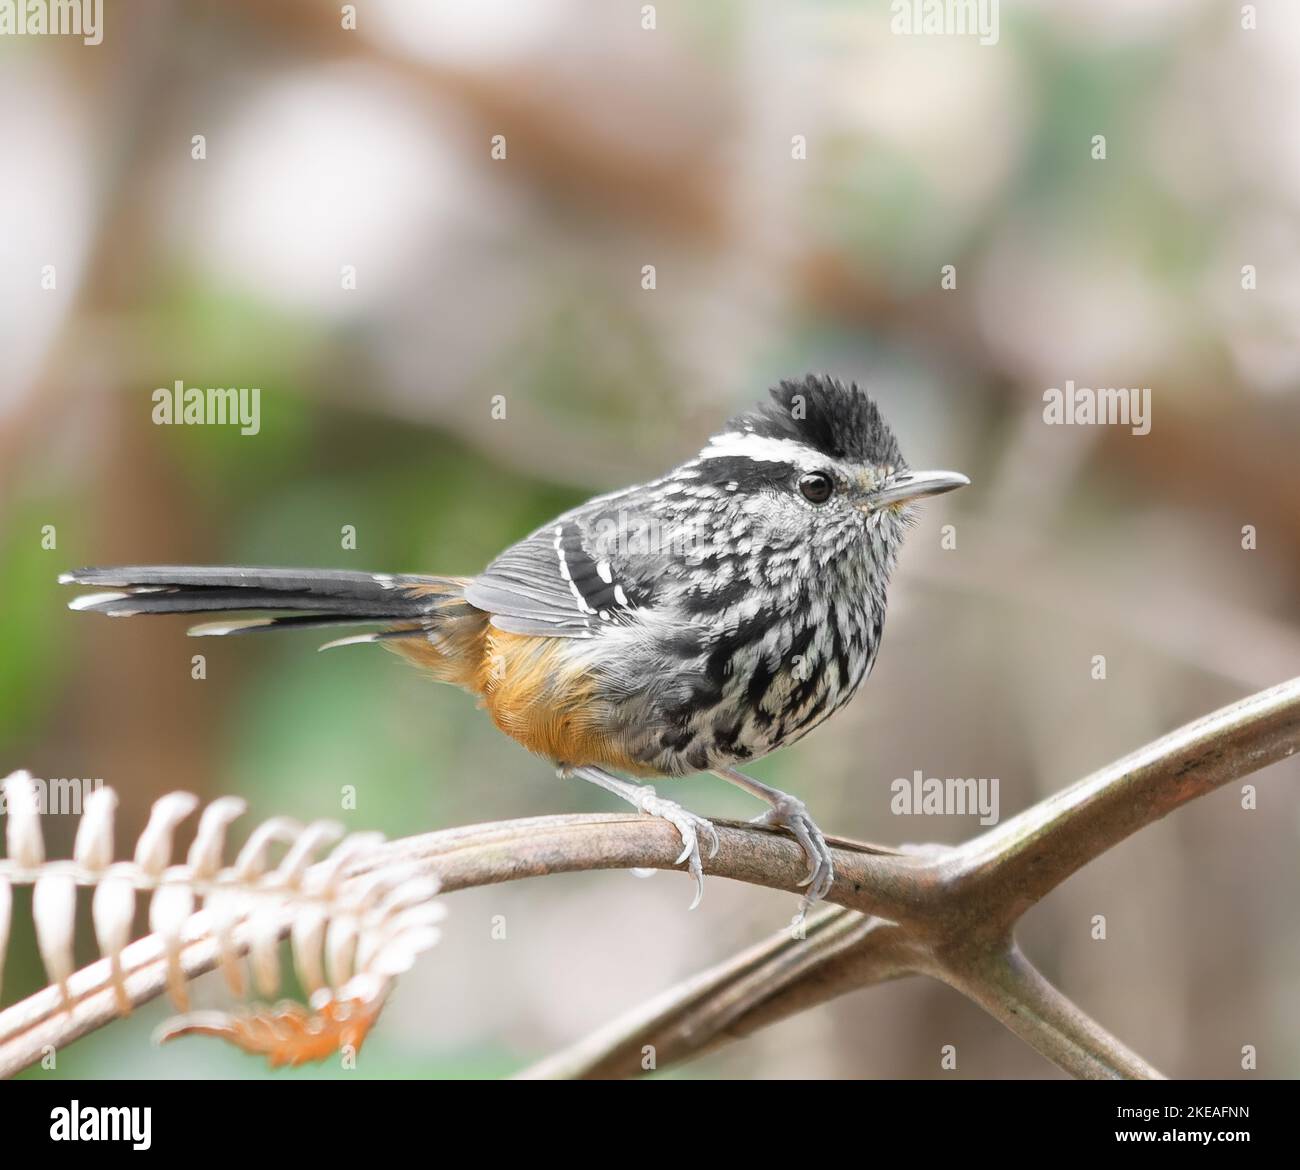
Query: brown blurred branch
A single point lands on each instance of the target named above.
(843, 950)
(959, 911)
(943, 912)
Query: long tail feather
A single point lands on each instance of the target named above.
(318, 597)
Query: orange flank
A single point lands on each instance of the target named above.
(538, 690)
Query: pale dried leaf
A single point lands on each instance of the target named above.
(23, 839)
(264, 951)
(364, 988)
(169, 909)
(112, 910)
(366, 891)
(170, 906)
(340, 947)
(300, 853)
(307, 940)
(153, 852)
(386, 916)
(253, 857)
(398, 954)
(224, 907)
(323, 876)
(425, 914)
(412, 892)
(54, 909)
(209, 843)
(93, 849)
(378, 932)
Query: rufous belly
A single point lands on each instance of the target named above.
(539, 691)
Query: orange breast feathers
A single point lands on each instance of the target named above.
(539, 691)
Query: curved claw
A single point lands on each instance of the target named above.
(689, 826)
(791, 814)
(716, 841)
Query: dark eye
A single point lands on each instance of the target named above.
(816, 487)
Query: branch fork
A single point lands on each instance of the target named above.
(945, 912)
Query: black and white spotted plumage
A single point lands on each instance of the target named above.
(728, 616)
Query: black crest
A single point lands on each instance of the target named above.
(823, 413)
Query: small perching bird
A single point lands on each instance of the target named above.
(689, 624)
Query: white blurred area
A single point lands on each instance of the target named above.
(322, 169)
(489, 34)
(47, 210)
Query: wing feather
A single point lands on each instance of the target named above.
(555, 584)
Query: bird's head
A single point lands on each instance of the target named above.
(818, 466)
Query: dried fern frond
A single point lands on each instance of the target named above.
(287, 1034)
(349, 936)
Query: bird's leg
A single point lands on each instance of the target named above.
(642, 796)
(789, 812)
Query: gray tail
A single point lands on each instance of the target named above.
(312, 597)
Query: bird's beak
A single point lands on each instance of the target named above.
(912, 485)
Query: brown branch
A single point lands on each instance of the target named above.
(1007, 986)
(460, 858)
(867, 877)
(938, 911)
(1003, 872)
(963, 905)
(775, 979)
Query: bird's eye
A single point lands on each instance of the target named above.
(816, 487)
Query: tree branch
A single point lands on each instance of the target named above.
(460, 858)
(1016, 864)
(775, 979)
(967, 900)
(869, 878)
(1007, 986)
(938, 911)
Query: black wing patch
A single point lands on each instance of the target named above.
(550, 584)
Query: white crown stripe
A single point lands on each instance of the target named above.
(761, 449)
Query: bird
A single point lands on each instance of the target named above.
(694, 623)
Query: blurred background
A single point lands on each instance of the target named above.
(475, 277)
